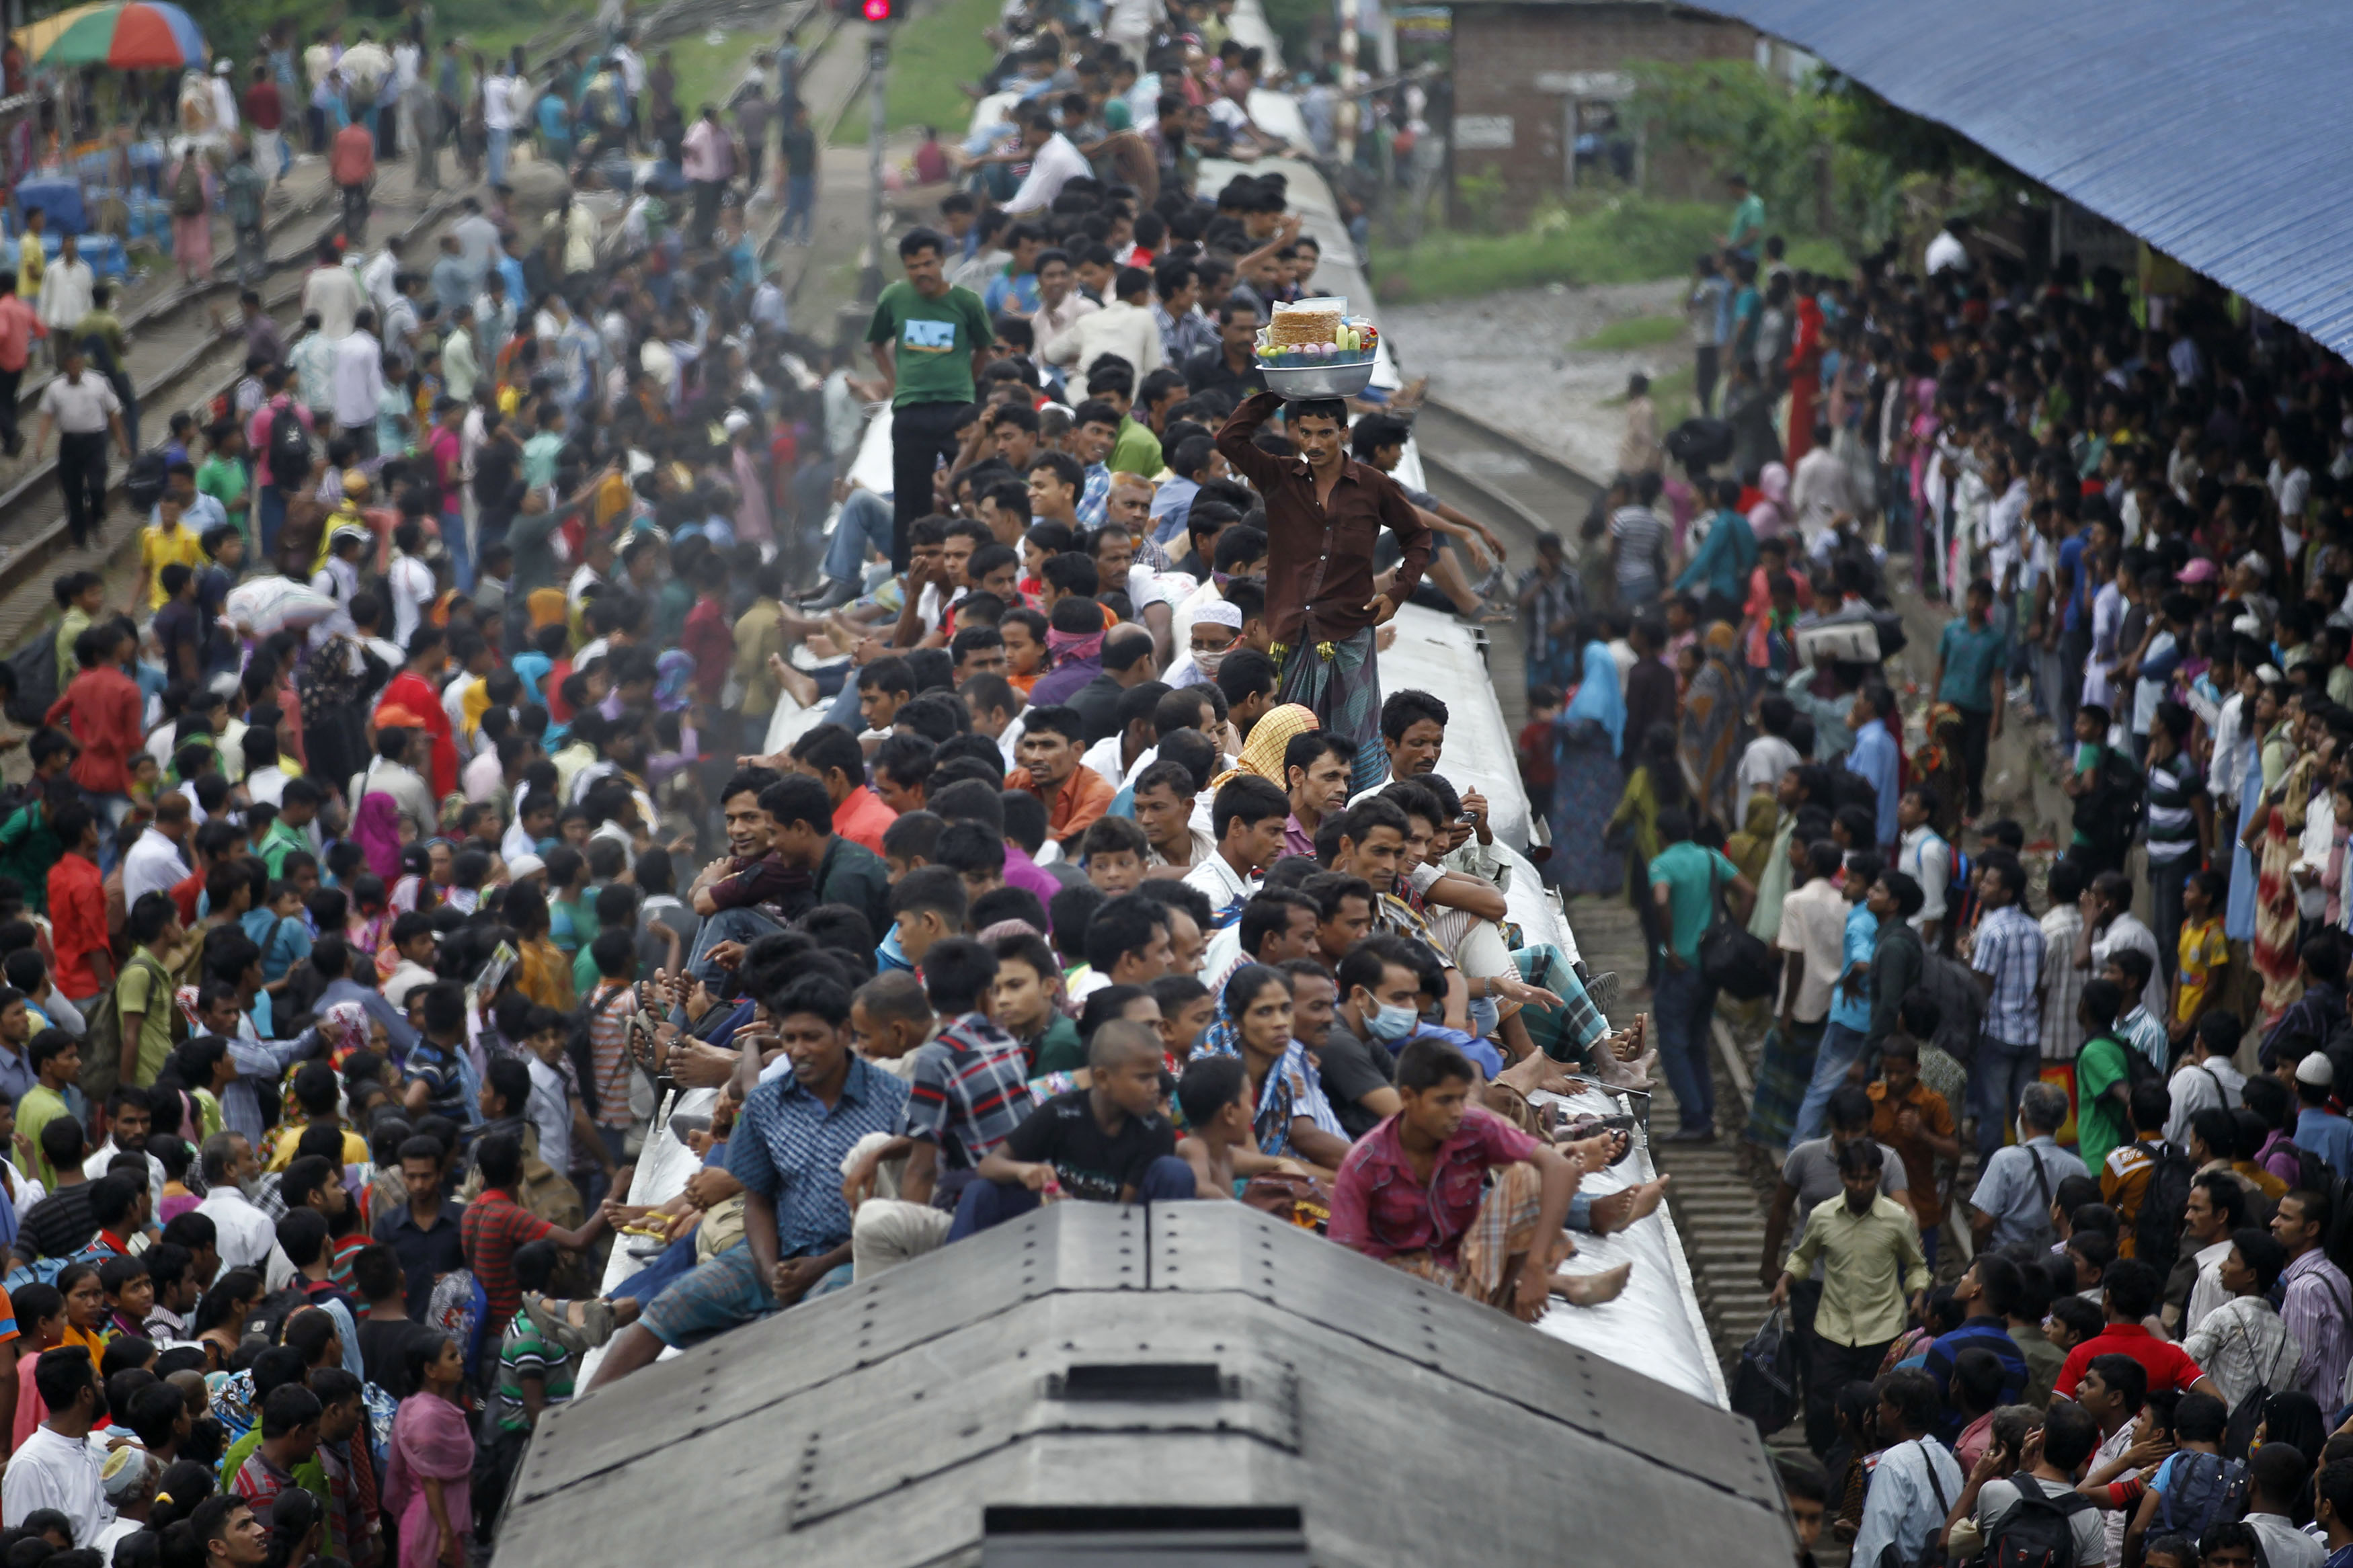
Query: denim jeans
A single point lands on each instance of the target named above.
(728, 925)
(800, 208)
(461, 557)
(1999, 1077)
(270, 511)
(1840, 1047)
(499, 139)
(1682, 1006)
(864, 526)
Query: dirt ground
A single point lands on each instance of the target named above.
(1512, 359)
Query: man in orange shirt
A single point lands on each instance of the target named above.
(351, 163)
(830, 755)
(1913, 1119)
(19, 325)
(1075, 796)
(77, 910)
(414, 689)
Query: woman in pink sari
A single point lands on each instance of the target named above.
(427, 1485)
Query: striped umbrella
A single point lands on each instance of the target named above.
(143, 35)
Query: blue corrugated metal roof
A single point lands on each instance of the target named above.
(2209, 129)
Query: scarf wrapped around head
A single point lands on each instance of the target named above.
(375, 827)
(1270, 739)
(1072, 647)
(672, 671)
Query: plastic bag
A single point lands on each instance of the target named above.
(1764, 1384)
(267, 605)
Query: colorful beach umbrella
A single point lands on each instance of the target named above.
(143, 35)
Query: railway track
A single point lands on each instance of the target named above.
(1520, 490)
(180, 356)
(178, 359)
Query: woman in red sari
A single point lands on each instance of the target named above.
(1805, 375)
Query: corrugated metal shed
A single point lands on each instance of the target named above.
(2197, 127)
(1106, 1373)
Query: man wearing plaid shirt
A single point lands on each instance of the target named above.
(968, 1089)
(2007, 957)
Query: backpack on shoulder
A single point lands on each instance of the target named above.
(2038, 1531)
(2202, 1490)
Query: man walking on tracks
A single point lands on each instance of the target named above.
(351, 163)
(83, 408)
(1325, 512)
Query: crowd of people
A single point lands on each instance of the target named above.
(2105, 1055)
(465, 785)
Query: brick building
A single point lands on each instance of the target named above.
(1522, 68)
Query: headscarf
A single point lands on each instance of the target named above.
(1270, 739)
(375, 827)
(1774, 483)
(672, 671)
(431, 1440)
(1073, 647)
(1598, 697)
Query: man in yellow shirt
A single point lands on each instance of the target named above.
(161, 543)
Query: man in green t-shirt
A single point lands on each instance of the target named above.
(1685, 879)
(223, 476)
(55, 1058)
(1748, 219)
(930, 339)
(143, 993)
(2103, 1075)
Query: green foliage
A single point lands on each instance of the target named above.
(1635, 332)
(1827, 146)
(1482, 195)
(931, 59)
(1295, 23)
(1616, 239)
(1740, 121)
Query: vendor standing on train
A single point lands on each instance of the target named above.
(1325, 512)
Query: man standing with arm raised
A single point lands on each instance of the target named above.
(1324, 513)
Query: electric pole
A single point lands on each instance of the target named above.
(878, 61)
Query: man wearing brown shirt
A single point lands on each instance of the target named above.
(1913, 1119)
(1325, 514)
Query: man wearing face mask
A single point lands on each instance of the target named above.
(1217, 629)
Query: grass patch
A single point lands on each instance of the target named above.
(1635, 332)
(931, 57)
(1624, 239)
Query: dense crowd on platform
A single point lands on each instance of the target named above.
(466, 783)
(2105, 1053)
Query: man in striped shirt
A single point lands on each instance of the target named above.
(2180, 823)
(2007, 957)
(2317, 1308)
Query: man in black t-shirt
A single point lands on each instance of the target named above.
(179, 625)
(1105, 1143)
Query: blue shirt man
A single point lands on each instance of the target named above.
(2318, 1129)
(1970, 656)
(1873, 757)
(1725, 558)
(1851, 1000)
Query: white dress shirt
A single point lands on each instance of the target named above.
(248, 1237)
(1119, 328)
(358, 380)
(49, 1470)
(153, 865)
(1051, 167)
